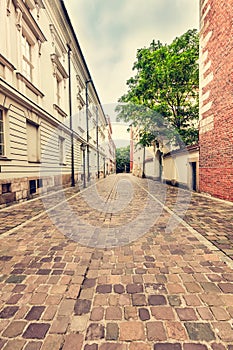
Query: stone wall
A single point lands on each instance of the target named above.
(18, 189)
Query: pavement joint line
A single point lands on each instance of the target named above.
(9, 232)
(201, 238)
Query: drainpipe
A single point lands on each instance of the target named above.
(97, 142)
(71, 124)
(87, 123)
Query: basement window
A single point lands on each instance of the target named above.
(6, 188)
(39, 183)
(32, 186)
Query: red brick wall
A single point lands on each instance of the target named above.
(216, 98)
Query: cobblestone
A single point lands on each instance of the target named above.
(161, 290)
(200, 331)
(36, 331)
(131, 331)
(112, 331)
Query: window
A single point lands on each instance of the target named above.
(60, 75)
(62, 155)
(27, 58)
(33, 142)
(6, 188)
(39, 183)
(32, 186)
(2, 148)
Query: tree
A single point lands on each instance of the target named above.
(123, 159)
(163, 95)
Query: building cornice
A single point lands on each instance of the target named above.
(55, 60)
(29, 20)
(56, 39)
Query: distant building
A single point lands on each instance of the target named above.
(110, 150)
(181, 167)
(144, 161)
(131, 149)
(43, 80)
(216, 98)
(164, 162)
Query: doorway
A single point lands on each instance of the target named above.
(193, 176)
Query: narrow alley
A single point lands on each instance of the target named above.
(126, 264)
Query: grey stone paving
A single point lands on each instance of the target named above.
(120, 273)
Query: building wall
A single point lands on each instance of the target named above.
(35, 134)
(182, 168)
(110, 149)
(216, 98)
(176, 167)
(151, 162)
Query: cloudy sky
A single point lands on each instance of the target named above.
(111, 31)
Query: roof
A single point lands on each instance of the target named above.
(188, 149)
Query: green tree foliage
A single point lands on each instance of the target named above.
(162, 97)
(123, 159)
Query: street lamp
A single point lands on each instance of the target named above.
(83, 148)
(87, 123)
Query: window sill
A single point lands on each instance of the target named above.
(34, 161)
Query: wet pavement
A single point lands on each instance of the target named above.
(127, 264)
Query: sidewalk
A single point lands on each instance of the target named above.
(127, 277)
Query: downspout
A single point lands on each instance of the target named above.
(87, 125)
(71, 124)
(97, 142)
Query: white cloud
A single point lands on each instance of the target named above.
(110, 32)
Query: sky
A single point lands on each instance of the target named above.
(111, 31)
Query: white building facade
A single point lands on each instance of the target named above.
(49, 106)
(178, 167)
(110, 150)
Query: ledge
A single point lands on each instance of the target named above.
(32, 87)
(6, 63)
(55, 60)
(59, 110)
(81, 100)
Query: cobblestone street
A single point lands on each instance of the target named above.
(128, 264)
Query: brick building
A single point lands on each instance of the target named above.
(216, 98)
